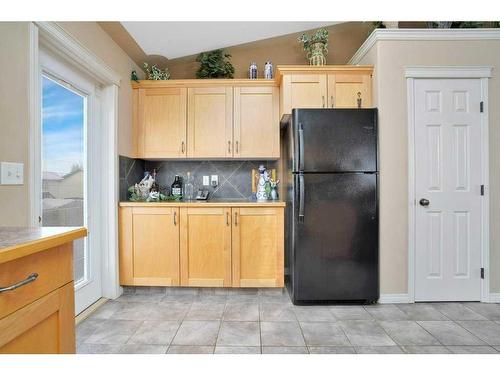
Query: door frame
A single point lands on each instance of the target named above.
(483, 73)
(64, 45)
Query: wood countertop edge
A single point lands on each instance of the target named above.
(202, 204)
(10, 253)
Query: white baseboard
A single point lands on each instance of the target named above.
(494, 297)
(394, 298)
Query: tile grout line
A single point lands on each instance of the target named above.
(220, 326)
(173, 337)
(392, 338)
(476, 336)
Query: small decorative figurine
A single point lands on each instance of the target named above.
(133, 76)
(274, 189)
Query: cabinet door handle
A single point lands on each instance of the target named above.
(359, 100)
(175, 217)
(323, 99)
(331, 101)
(227, 218)
(182, 146)
(237, 146)
(236, 219)
(19, 284)
(228, 146)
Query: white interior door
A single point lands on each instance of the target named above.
(70, 161)
(448, 190)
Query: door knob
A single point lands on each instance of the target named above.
(424, 202)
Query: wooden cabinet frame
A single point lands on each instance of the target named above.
(30, 330)
(211, 252)
(264, 267)
(164, 124)
(162, 245)
(328, 86)
(220, 144)
(204, 254)
(256, 130)
(218, 139)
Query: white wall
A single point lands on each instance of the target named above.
(390, 58)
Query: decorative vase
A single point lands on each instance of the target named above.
(262, 184)
(317, 54)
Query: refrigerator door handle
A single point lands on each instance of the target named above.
(301, 198)
(301, 147)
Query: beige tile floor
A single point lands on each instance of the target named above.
(251, 321)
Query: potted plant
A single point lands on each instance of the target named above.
(315, 46)
(215, 64)
(155, 73)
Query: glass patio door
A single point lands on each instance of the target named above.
(68, 108)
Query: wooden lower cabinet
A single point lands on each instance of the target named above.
(258, 247)
(149, 246)
(202, 246)
(46, 326)
(206, 246)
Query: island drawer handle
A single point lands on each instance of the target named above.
(28, 280)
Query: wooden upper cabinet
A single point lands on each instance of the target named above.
(256, 122)
(149, 246)
(210, 122)
(328, 86)
(162, 115)
(303, 91)
(257, 247)
(344, 91)
(206, 246)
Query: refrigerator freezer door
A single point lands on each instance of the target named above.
(335, 244)
(334, 140)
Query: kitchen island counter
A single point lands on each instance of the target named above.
(18, 242)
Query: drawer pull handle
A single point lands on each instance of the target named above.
(175, 217)
(182, 146)
(28, 280)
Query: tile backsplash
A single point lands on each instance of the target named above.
(130, 172)
(235, 176)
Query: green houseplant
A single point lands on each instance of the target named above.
(316, 46)
(155, 73)
(215, 64)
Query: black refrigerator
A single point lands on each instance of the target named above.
(332, 234)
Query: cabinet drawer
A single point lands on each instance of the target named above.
(46, 326)
(54, 268)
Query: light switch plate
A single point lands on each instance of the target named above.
(11, 173)
(206, 180)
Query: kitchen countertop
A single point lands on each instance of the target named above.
(17, 242)
(209, 203)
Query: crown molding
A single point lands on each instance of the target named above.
(423, 34)
(58, 40)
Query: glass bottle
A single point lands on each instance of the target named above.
(189, 188)
(177, 188)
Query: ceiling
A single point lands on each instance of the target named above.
(179, 39)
